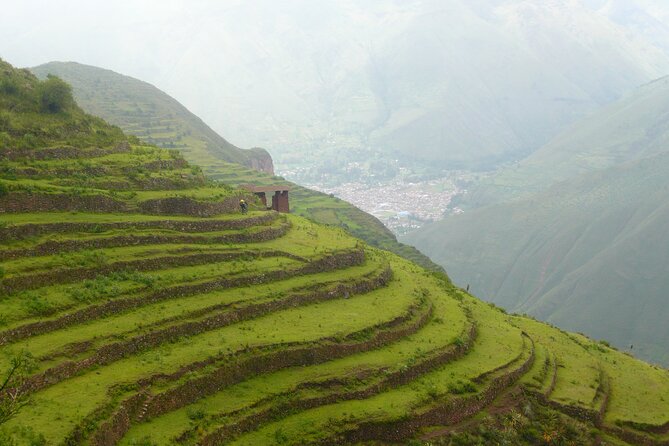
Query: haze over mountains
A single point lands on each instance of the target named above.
(444, 84)
(576, 234)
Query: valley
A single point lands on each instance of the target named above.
(141, 307)
(402, 206)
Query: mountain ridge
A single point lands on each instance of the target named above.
(145, 105)
(581, 242)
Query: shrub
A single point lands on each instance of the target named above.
(144, 441)
(5, 123)
(195, 413)
(461, 387)
(55, 95)
(9, 86)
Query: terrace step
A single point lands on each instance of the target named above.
(334, 261)
(239, 366)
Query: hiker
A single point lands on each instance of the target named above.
(243, 206)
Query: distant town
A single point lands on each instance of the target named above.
(400, 204)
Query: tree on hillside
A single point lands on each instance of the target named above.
(55, 95)
(12, 395)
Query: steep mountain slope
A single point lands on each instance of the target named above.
(138, 107)
(632, 128)
(575, 233)
(146, 310)
(142, 110)
(445, 85)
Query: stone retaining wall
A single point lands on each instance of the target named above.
(635, 438)
(189, 206)
(452, 412)
(232, 372)
(345, 259)
(52, 247)
(19, 232)
(15, 202)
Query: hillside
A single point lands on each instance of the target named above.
(98, 92)
(143, 309)
(587, 254)
(142, 110)
(574, 234)
(635, 127)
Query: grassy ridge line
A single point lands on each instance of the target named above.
(141, 109)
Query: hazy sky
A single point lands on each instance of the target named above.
(270, 72)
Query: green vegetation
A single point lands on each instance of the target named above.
(138, 328)
(144, 111)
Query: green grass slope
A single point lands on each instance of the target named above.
(154, 117)
(154, 313)
(142, 110)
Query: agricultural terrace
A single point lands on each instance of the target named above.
(138, 306)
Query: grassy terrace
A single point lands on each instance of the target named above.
(148, 311)
(294, 325)
(639, 391)
(437, 386)
(136, 295)
(447, 324)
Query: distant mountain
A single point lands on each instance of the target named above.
(452, 84)
(635, 127)
(143, 110)
(154, 116)
(461, 84)
(589, 252)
